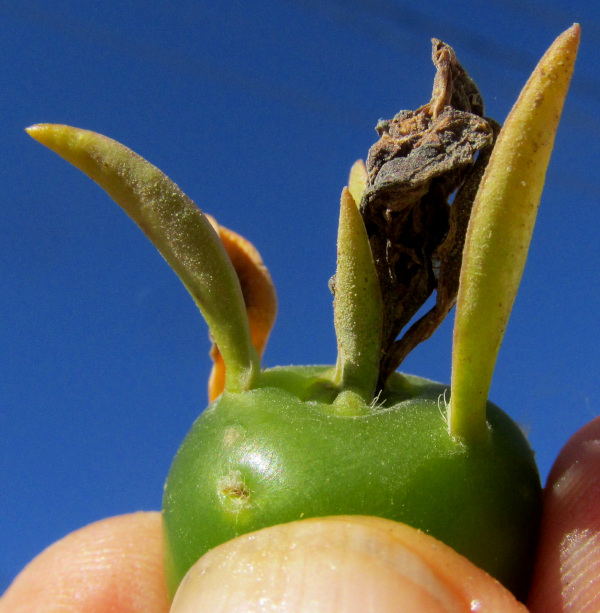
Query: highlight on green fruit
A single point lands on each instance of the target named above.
(288, 443)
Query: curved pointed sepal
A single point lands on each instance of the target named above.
(176, 227)
(499, 233)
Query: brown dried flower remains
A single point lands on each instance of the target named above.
(416, 236)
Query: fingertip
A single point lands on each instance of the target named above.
(343, 564)
(111, 565)
(567, 575)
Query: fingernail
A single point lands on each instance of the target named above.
(336, 564)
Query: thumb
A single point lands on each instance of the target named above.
(345, 564)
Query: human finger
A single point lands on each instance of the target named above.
(112, 565)
(342, 564)
(567, 575)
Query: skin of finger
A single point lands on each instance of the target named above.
(567, 576)
(345, 564)
(112, 565)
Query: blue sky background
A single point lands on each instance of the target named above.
(257, 110)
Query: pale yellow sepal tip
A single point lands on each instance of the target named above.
(357, 182)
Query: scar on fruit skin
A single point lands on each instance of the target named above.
(233, 491)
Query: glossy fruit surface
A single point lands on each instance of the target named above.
(270, 456)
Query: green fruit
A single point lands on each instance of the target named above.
(284, 444)
(270, 456)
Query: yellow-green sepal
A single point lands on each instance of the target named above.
(177, 228)
(357, 305)
(500, 231)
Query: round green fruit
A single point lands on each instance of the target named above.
(274, 455)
